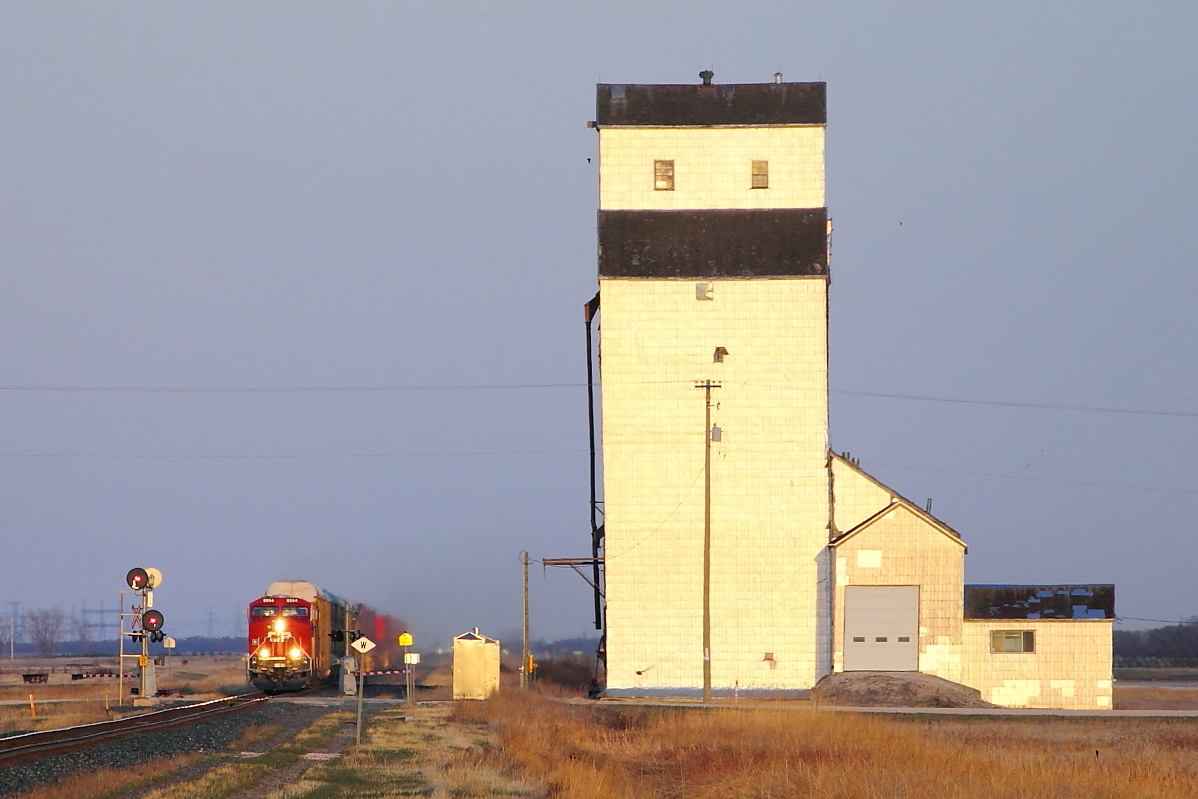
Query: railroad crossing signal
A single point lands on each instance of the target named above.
(147, 626)
(143, 579)
(151, 622)
(138, 579)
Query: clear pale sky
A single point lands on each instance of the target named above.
(337, 195)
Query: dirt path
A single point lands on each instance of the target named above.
(407, 750)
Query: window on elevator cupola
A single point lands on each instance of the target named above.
(663, 175)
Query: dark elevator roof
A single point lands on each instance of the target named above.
(728, 243)
(718, 104)
(1092, 601)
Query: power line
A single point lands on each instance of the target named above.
(1003, 404)
(1033, 479)
(290, 456)
(395, 389)
(283, 389)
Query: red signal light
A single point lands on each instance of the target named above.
(137, 579)
(152, 620)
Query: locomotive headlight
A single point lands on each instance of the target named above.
(280, 625)
(264, 652)
(296, 653)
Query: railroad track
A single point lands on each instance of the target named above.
(34, 745)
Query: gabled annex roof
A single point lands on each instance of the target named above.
(897, 501)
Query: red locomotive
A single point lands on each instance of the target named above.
(290, 641)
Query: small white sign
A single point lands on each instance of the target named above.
(411, 658)
(363, 645)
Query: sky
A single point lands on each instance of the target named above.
(294, 290)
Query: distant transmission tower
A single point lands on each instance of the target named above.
(102, 624)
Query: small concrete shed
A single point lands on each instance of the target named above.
(475, 666)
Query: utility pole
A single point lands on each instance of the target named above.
(707, 386)
(12, 629)
(524, 675)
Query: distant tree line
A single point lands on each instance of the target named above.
(45, 632)
(44, 627)
(564, 647)
(1175, 645)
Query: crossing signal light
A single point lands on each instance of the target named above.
(143, 579)
(152, 621)
(138, 579)
(337, 635)
(354, 635)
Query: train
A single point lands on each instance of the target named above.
(292, 640)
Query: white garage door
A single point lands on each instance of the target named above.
(881, 628)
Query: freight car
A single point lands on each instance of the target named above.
(290, 636)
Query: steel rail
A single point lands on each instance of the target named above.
(34, 745)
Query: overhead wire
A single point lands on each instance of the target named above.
(287, 456)
(383, 389)
(377, 389)
(1034, 479)
(281, 389)
(1010, 404)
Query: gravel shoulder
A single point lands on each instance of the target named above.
(289, 749)
(211, 737)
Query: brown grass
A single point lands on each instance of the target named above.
(14, 718)
(588, 751)
(413, 750)
(107, 782)
(1153, 697)
(200, 675)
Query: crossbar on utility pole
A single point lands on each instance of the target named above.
(707, 386)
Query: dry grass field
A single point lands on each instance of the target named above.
(197, 674)
(587, 751)
(96, 698)
(1145, 696)
(536, 745)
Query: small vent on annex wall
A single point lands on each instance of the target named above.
(704, 291)
(719, 355)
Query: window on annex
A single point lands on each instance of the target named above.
(761, 174)
(1012, 640)
(663, 175)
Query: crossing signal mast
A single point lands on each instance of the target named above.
(147, 627)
